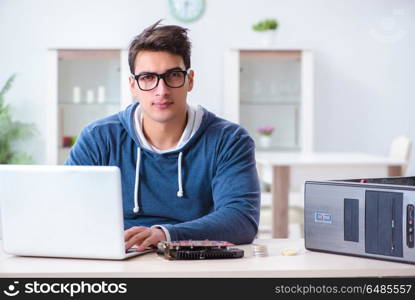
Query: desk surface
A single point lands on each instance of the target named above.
(305, 264)
(325, 158)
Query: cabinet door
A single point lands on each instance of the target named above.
(284, 120)
(270, 96)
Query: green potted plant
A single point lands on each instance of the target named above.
(12, 131)
(267, 28)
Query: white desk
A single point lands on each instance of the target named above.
(282, 161)
(305, 264)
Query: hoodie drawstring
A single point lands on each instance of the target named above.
(136, 208)
(179, 175)
(137, 181)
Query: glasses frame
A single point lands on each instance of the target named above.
(160, 76)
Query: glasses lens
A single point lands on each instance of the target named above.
(147, 81)
(174, 78)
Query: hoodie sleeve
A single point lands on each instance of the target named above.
(236, 196)
(85, 151)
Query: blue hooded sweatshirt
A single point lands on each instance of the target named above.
(207, 189)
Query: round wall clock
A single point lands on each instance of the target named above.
(187, 10)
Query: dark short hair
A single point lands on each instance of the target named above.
(170, 38)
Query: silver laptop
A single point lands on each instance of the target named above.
(62, 211)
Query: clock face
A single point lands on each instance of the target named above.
(187, 10)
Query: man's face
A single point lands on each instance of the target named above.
(162, 104)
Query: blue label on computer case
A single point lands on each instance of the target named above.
(322, 217)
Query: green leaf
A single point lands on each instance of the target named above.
(266, 24)
(6, 88)
(12, 131)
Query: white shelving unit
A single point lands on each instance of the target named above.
(84, 85)
(271, 87)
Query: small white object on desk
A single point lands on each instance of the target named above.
(101, 94)
(89, 96)
(260, 250)
(289, 252)
(76, 94)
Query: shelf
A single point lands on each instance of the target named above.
(270, 53)
(107, 104)
(65, 149)
(87, 53)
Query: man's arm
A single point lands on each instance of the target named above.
(236, 196)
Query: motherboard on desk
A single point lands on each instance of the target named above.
(196, 250)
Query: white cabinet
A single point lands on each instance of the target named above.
(273, 88)
(84, 85)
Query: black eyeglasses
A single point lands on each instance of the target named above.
(172, 78)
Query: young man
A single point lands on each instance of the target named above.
(186, 174)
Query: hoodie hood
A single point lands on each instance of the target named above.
(126, 118)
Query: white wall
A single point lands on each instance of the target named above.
(364, 56)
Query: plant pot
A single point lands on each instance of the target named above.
(267, 37)
(265, 141)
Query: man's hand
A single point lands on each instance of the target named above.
(143, 237)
